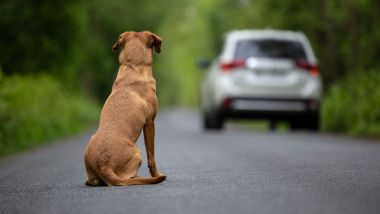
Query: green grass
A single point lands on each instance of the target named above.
(35, 110)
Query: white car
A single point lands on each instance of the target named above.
(262, 74)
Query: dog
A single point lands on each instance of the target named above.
(112, 157)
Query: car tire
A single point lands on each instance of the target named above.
(212, 121)
(310, 122)
(314, 122)
(295, 125)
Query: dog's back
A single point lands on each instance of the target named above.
(133, 100)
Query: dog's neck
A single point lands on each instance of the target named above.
(136, 70)
(130, 74)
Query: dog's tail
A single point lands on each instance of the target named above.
(111, 179)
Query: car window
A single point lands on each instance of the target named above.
(269, 48)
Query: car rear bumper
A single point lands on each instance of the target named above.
(268, 108)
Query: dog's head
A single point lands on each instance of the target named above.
(137, 47)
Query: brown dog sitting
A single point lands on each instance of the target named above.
(112, 156)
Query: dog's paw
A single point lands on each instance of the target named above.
(162, 176)
(156, 173)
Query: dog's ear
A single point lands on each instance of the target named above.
(120, 41)
(157, 43)
(154, 41)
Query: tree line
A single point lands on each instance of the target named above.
(71, 39)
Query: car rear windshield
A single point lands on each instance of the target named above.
(270, 48)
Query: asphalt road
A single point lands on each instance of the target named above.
(236, 171)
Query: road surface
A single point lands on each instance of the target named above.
(236, 171)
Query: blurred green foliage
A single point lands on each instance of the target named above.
(105, 21)
(41, 36)
(351, 106)
(71, 40)
(34, 109)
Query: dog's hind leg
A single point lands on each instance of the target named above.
(94, 182)
(132, 166)
(92, 178)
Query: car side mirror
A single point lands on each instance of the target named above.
(203, 63)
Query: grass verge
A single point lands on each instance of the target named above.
(37, 109)
(352, 105)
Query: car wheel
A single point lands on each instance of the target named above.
(295, 125)
(310, 122)
(313, 122)
(212, 121)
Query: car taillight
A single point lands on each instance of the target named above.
(303, 64)
(227, 102)
(228, 66)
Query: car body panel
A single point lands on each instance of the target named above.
(261, 84)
